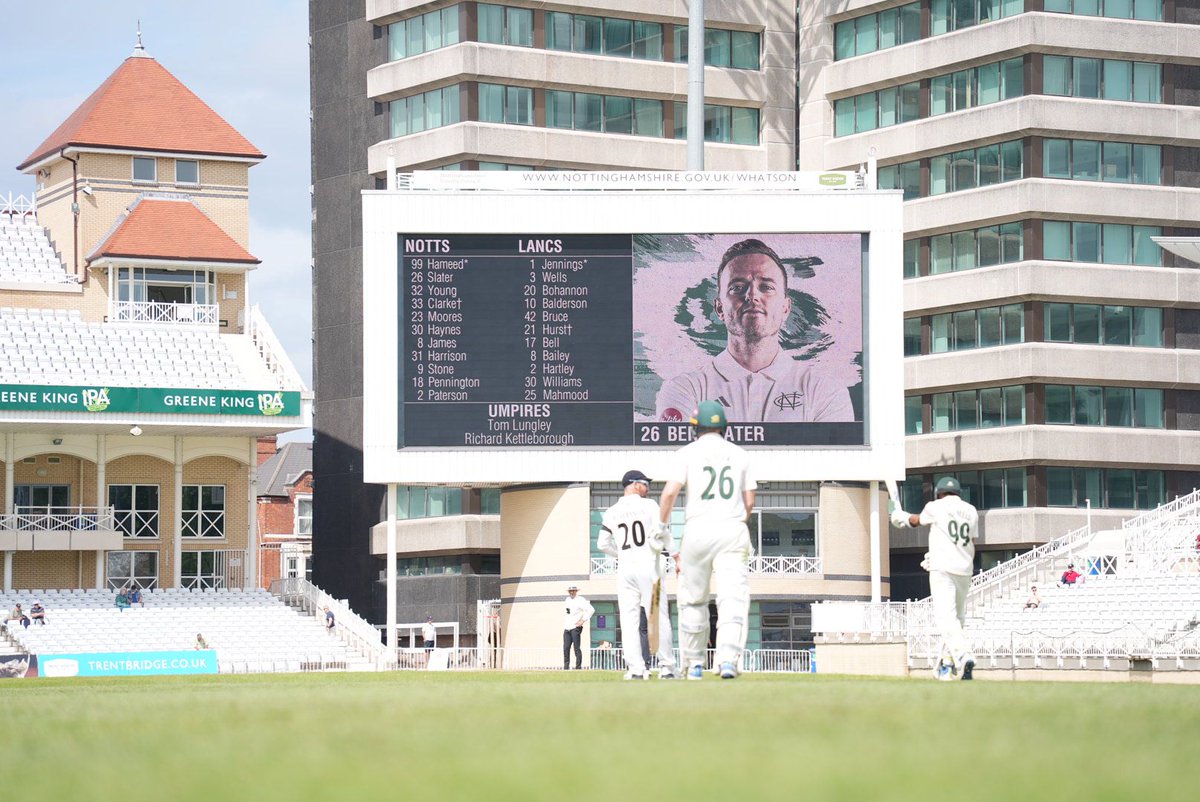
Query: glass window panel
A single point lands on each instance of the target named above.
(966, 410)
(589, 112)
(1056, 75)
(415, 31)
(866, 112)
(187, 171)
(963, 169)
(1118, 80)
(887, 107)
(988, 160)
(451, 104)
(1145, 251)
(912, 258)
(865, 34)
(910, 179)
(962, 89)
(910, 23)
(993, 489)
(989, 83)
(1085, 77)
(1089, 406)
(745, 126)
(1118, 406)
(1087, 8)
(520, 26)
(490, 23)
(1148, 407)
(559, 107)
(1147, 9)
(433, 109)
(449, 25)
(910, 102)
(519, 105)
(941, 99)
(1147, 326)
(1056, 240)
(433, 30)
(1118, 244)
(647, 41)
(939, 17)
(1150, 489)
(988, 240)
(1118, 325)
(1012, 242)
(144, 169)
(1012, 155)
(588, 34)
(618, 115)
(964, 330)
(1060, 6)
(942, 411)
(989, 326)
(1060, 487)
(1147, 164)
(1085, 160)
(716, 47)
(964, 13)
(1089, 485)
(912, 336)
(1056, 158)
(991, 408)
(1147, 82)
(939, 175)
(1014, 405)
(843, 40)
(1058, 404)
(1012, 318)
(1014, 487)
(843, 116)
(1117, 161)
(941, 254)
(989, 10)
(744, 47)
(888, 177)
(942, 331)
(912, 414)
(964, 250)
(398, 111)
(1087, 323)
(558, 30)
(491, 103)
(889, 28)
(1013, 80)
(397, 45)
(1120, 489)
(416, 114)
(618, 37)
(1085, 242)
(648, 117)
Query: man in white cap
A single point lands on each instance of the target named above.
(630, 532)
(578, 611)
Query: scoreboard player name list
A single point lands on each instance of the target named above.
(516, 341)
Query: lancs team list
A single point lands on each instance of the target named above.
(516, 341)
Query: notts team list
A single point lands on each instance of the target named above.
(516, 341)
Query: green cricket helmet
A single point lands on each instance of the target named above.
(947, 484)
(709, 415)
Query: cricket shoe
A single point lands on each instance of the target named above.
(728, 671)
(968, 667)
(635, 675)
(667, 673)
(944, 672)
(696, 673)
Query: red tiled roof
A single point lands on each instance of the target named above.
(144, 107)
(171, 229)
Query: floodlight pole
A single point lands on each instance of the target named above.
(695, 107)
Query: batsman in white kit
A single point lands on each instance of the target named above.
(716, 540)
(951, 559)
(630, 532)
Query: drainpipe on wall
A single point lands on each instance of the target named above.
(75, 214)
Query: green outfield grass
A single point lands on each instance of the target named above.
(590, 736)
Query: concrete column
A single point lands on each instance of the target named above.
(9, 468)
(250, 579)
(177, 556)
(101, 498)
(392, 635)
(873, 527)
(8, 562)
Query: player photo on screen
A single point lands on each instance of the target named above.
(769, 325)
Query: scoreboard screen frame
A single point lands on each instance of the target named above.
(874, 451)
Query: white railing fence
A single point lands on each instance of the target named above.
(778, 565)
(14, 207)
(272, 352)
(1016, 573)
(226, 568)
(60, 519)
(162, 312)
(348, 626)
(549, 658)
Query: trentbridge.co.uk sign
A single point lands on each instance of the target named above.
(27, 398)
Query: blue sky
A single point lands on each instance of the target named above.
(247, 60)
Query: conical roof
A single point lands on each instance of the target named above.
(142, 106)
(170, 229)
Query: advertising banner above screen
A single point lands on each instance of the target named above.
(520, 336)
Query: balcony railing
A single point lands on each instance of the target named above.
(60, 529)
(777, 565)
(160, 312)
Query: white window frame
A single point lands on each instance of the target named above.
(145, 582)
(138, 520)
(207, 522)
(133, 170)
(178, 180)
(297, 517)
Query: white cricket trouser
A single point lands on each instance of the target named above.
(948, 593)
(720, 549)
(635, 588)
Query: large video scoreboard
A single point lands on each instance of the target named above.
(539, 336)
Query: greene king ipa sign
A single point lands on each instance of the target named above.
(149, 399)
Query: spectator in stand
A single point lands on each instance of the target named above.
(1034, 601)
(429, 635)
(122, 601)
(37, 613)
(1070, 576)
(330, 622)
(135, 596)
(18, 614)
(201, 643)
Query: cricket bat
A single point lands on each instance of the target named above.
(652, 614)
(893, 491)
